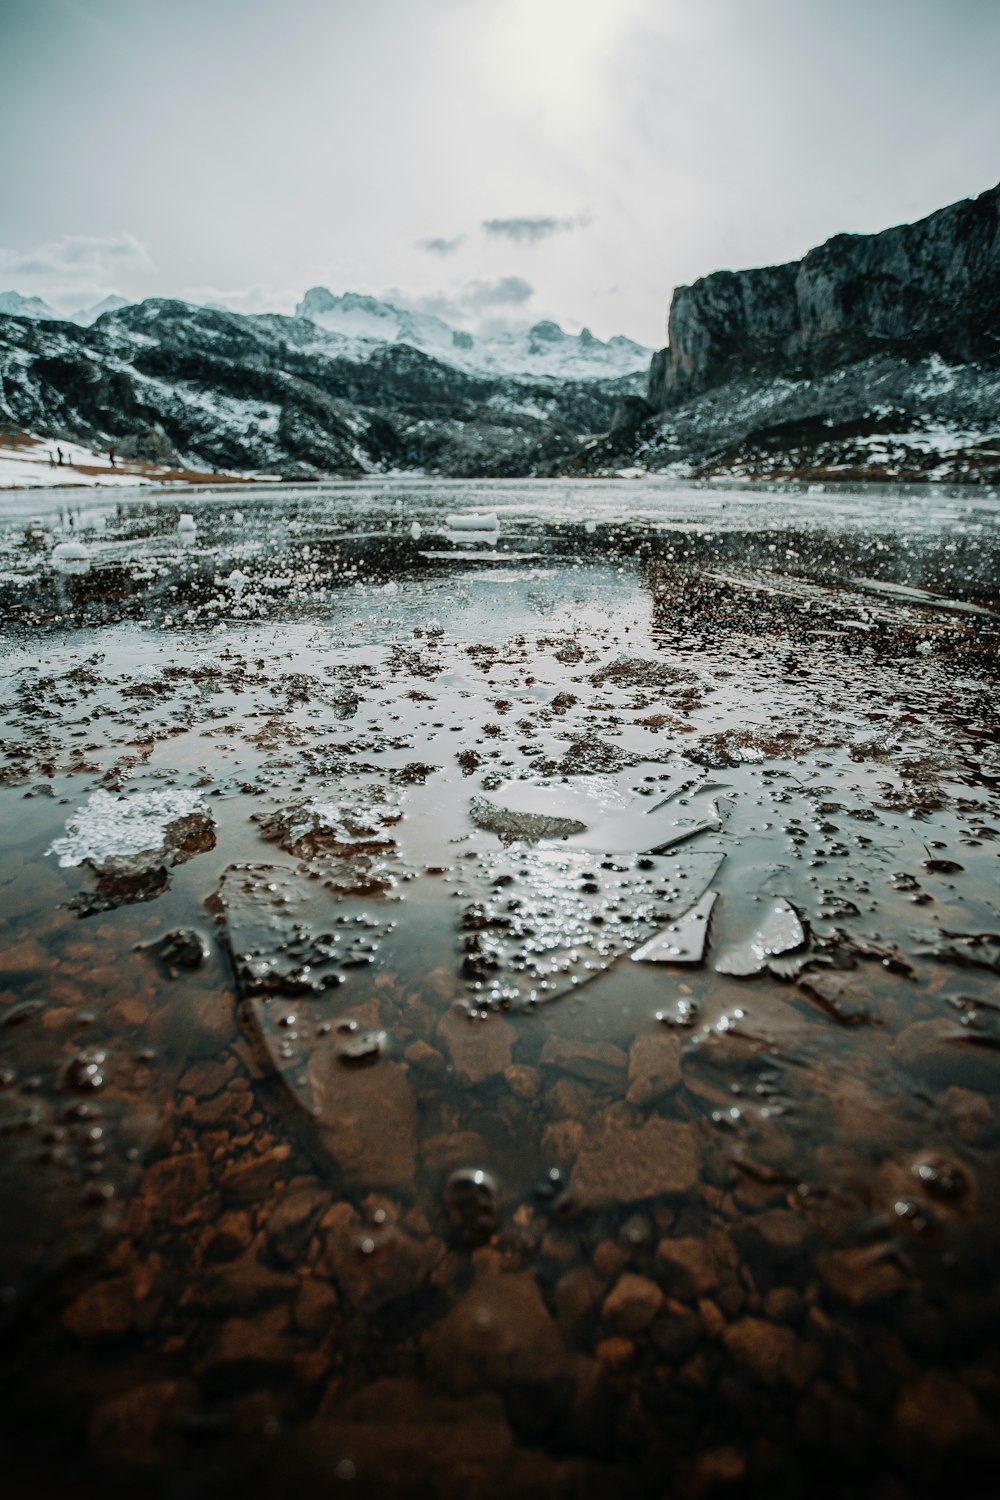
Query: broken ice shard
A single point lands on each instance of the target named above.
(683, 941)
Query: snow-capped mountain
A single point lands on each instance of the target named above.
(87, 315)
(169, 382)
(542, 352)
(16, 306)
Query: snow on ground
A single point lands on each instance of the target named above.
(30, 463)
(28, 466)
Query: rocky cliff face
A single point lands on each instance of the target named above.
(919, 289)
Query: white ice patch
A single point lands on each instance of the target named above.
(467, 521)
(109, 829)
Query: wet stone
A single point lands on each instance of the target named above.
(654, 1067)
(250, 1180)
(595, 1062)
(510, 826)
(140, 1432)
(577, 1298)
(841, 996)
(180, 949)
(938, 1413)
(632, 1304)
(687, 1267)
(861, 1277)
(501, 1336)
(246, 1286)
(373, 1263)
(291, 1223)
(174, 1188)
(619, 1163)
(522, 1080)
(478, 1047)
(362, 1048)
(315, 1306)
(104, 1312)
(366, 1121)
(772, 1352)
(471, 1202)
(247, 1350)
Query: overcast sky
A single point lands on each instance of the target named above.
(488, 159)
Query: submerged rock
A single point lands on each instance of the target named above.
(632, 1304)
(367, 1122)
(619, 1163)
(471, 1203)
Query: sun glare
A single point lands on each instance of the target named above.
(547, 59)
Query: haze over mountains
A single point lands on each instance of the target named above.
(363, 321)
(874, 357)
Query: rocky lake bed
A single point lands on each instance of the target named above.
(498, 990)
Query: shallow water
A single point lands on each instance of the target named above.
(636, 861)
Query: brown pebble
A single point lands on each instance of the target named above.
(772, 1352)
(103, 1312)
(522, 1080)
(615, 1353)
(632, 1304)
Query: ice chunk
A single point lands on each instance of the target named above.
(186, 523)
(683, 941)
(780, 932)
(521, 825)
(606, 821)
(70, 552)
(470, 521)
(550, 919)
(121, 833)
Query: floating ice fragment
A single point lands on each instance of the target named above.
(186, 523)
(415, 531)
(70, 552)
(473, 522)
(237, 581)
(780, 932)
(113, 832)
(683, 941)
(521, 825)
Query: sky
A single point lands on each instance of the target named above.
(494, 161)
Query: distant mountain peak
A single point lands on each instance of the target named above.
(87, 315)
(544, 351)
(16, 306)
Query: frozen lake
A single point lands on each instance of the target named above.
(518, 959)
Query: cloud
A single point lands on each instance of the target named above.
(504, 292)
(530, 230)
(437, 245)
(78, 270)
(261, 297)
(78, 255)
(469, 300)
